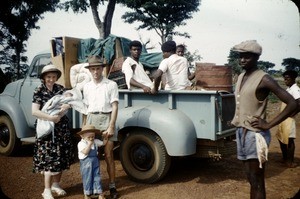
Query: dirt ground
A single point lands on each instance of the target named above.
(188, 177)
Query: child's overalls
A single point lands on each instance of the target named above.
(90, 172)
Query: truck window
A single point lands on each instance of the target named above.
(38, 64)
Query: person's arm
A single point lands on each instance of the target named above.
(88, 147)
(297, 110)
(35, 108)
(135, 83)
(157, 79)
(191, 76)
(269, 84)
(111, 127)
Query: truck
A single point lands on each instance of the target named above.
(152, 129)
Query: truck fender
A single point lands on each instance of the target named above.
(174, 127)
(11, 107)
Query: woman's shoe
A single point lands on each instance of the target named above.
(47, 195)
(59, 191)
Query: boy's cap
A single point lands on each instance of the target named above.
(250, 46)
(87, 129)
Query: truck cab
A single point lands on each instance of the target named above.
(16, 120)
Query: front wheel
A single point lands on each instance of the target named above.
(144, 157)
(9, 143)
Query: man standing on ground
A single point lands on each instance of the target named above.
(135, 75)
(175, 68)
(101, 96)
(287, 129)
(252, 89)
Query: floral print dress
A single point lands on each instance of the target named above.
(52, 153)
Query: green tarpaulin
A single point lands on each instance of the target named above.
(106, 48)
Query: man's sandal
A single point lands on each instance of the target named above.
(59, 191)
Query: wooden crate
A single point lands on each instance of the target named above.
(65, 59)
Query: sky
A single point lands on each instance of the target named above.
(214, 29)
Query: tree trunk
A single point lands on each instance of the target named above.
(108, 17)
(98, 23)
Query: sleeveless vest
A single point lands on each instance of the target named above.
(247, 105)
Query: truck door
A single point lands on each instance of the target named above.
(30, 82)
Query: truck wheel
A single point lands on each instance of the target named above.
(144, 157)
(9, 143)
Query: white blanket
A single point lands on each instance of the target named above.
(52, 107)
(79, 76)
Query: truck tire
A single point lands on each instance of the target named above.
(9, 143)
(144, 157)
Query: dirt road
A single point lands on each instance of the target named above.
(188, 178)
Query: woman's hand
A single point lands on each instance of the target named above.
(64, 108)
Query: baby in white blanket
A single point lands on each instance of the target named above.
(52, 107)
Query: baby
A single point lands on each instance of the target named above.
(72, 97)
(89, 162)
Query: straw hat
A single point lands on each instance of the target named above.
(95, 60)
(89, 129)
(50, 68)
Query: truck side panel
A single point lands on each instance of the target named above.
(173, 126)
(201, 107)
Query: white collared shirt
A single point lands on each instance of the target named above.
(138, 74)
(83, 144)
(294, 90)
(100, 96)
(175, 68)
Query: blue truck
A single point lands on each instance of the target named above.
(152, 129)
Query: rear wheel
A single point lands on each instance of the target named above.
(144, 157)
(9, 143)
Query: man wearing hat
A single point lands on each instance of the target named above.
(89, 162)
(252, 89)
(101, 96)
(287, 129)
(174, 68)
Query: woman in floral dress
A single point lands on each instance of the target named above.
(52, 153)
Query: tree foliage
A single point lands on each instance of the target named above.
(233, 62)
(291, 64)
(163, 16)
(17, 19)
(79, 6)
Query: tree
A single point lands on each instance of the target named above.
(265, 65)
(233, 62)
(291, 64)
(79, 6)
(163, 16)
(17, 19)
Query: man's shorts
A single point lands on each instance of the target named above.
(101, 122)
(246, 143)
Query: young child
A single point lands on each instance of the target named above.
(89, 162)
